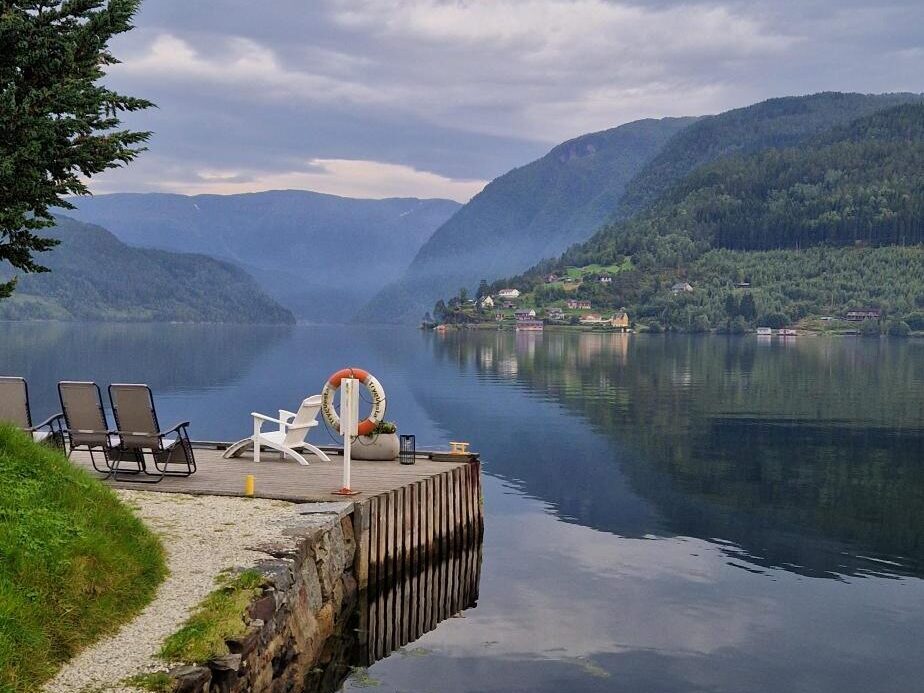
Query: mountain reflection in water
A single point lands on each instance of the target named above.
(804, 455)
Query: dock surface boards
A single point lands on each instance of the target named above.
(285, 480)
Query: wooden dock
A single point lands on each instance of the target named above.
(400, 514)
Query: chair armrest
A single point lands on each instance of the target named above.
(264, 417)
(286, 415)
(182, 424)
(50, 421)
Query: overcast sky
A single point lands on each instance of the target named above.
(432, 98)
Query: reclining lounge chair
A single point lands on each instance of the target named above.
(138, 433)
(289, 439)
(85, 422)
(15, 409)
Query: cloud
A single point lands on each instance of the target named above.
(239, 61)
(344, 177)
(495, 67)
(468, 89)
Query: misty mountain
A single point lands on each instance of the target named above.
(94, 276)
(321, 256)
(531, 212)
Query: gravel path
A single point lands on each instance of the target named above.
(202, 536)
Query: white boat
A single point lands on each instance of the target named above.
(764, 331)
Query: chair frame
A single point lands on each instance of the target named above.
(52, 423)
(160, 455)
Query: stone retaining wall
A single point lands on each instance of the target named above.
(310, 590)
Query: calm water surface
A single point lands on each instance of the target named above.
(662, 513)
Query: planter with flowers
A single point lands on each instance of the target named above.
(379, 446)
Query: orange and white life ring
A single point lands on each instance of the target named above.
(373, 387)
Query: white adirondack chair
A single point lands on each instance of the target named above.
(290, 437)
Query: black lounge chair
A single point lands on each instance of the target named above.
(15, 409)
(139, 433)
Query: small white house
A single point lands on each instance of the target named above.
(487, 302)
(509, 293)
(606, 279)
(682, 288)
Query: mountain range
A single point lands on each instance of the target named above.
(333, 259)
(321, 256)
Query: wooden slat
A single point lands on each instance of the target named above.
(372, 568)
(382, 551)
(426, 552)
(361, 537)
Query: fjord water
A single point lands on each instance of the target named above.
(663, 513)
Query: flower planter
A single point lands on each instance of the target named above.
(382, 447)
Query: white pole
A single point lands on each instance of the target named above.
(349, 415)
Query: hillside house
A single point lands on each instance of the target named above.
(620, 320)
(524, 314)
(552, 278)
(575, 304)
(606, 279)
(861, 314)
(557, 315)
(509, 294)
(593, 319)
(487, 302)
(681, 288)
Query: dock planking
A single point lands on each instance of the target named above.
(404, 516)
(285, 480)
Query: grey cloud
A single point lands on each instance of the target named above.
(470, 94)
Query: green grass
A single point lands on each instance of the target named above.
(157, 682)
(581, 272)
(220, 616)
(74, 562)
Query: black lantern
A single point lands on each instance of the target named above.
(408, 450)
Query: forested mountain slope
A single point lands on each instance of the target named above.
(863, 182)
(776, 123)
(844, 191)
(320, 255)
(94, 276)
(531, 212)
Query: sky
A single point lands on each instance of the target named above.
(434, 98)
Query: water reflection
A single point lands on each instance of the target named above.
(170, 358)
(803, 455)
(659, 510)
(426, 589)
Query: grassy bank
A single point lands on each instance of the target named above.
(74, 562)
(220, 616)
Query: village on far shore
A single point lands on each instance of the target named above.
(526, 311)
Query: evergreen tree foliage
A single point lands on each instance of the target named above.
(58, 125)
